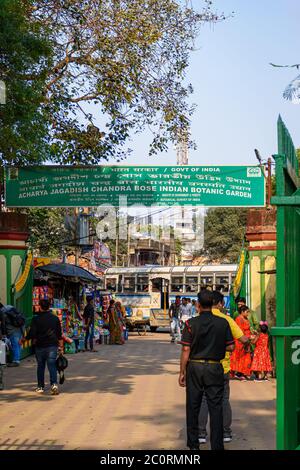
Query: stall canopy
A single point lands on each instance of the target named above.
(69, 270)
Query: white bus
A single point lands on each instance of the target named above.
(146, 289)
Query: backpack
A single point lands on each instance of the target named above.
(15, 318)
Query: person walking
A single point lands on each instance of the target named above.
(15, 330)
(46, 335)
(205, 340)
(121, 325)
(89, 319)
(218, 305)
(174, 315)
(115, 323)
(185, 310)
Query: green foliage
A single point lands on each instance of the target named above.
(47, 230)
(25, 59)
(224, 231)
(298, 156)
(119, 67)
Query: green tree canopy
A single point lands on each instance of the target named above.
(25, 58)
(47, 230)
(224, 231)
(118, 67)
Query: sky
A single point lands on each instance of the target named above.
(237, 93)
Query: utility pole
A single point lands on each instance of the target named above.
(128, 246)
(117, 248)
(76, 236)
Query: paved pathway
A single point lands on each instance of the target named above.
(122, 397)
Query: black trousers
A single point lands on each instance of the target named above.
(227, 412)
(208, 378)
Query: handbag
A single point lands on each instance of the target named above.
(61, 365)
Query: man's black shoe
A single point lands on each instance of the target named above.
(194, 448)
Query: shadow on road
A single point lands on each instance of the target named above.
(112, 369)
(27, 444)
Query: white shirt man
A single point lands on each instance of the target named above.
(185, 311)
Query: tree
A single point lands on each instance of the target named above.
(292, 91)
(25, 58)
(119, 66)
(47, 230)
(224, 231)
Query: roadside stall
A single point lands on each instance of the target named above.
(66, 286)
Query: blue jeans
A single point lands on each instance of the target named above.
(46, 356)
(89, 336)
(175, 328)
(16, 348)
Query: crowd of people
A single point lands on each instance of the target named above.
(216, 348)
(251, 362)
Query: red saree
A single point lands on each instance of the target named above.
(240, 360)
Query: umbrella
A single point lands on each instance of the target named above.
(69, 270)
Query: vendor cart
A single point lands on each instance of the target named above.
(137, 322)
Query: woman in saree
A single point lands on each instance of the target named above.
(240, 360)
(115, 323)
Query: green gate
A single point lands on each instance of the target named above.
(287, 330)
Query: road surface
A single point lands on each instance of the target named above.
(122, 397)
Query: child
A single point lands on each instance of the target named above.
(261, 363)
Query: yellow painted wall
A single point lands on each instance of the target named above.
(16, 261)
(3, 283)
(270, 287)
(255, 293)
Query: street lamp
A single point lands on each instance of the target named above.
(269, 180)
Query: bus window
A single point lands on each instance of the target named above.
(142, 284)
(222, 283)
(111, 284)
(177, 284)
(207, 282)
(191, 284)
(129, 284)
(156, 285)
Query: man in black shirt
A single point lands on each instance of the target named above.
(45, 332)
(205, 340)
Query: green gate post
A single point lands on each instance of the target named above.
(13, 253)
(287, 286)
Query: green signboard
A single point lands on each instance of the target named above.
(58, 186)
